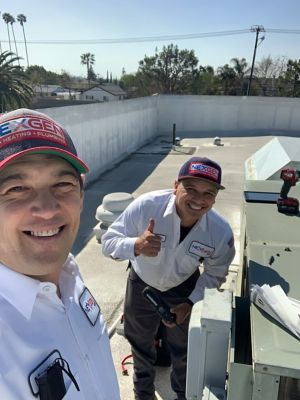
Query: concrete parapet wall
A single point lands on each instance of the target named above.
(228, 114)
(106, 133)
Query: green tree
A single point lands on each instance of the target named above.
(240, 67)
(227, 76)
(39, 75)
(15, 87)
(7, 18)
(0, 43)
(22, 19)
(127, 81)
(88, 59)
(206, 82)
(170, 71)
(292, 77)
(12, 21)
(92, 77)
(66, 81)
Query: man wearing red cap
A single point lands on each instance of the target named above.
(54, 343)
(166, 235)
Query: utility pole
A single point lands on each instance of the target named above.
(257, 29)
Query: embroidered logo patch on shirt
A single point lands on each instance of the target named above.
(162, 237)
(200, 250)
(89, 306)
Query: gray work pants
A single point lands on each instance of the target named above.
(141, 323)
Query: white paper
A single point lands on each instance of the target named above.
(278, 305)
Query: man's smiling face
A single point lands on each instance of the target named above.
(194, 198)
(40, 204)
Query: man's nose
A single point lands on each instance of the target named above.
(45, 204)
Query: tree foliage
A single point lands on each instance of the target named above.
(170, 71)
(40, 76)
(88, 59)
(206, 82)
(15, 87)
(227, 76)
(292, 76)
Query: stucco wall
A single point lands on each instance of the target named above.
(228, 114)
(106, 133)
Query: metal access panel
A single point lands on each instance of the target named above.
(240, 382)
(208, 342)
(272, 253)
(213, 393)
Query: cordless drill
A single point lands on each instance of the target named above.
(285, 204)
(159, 305)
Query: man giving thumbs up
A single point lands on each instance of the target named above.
(166, 235)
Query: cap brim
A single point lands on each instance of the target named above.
(76, 162)
(219, 187)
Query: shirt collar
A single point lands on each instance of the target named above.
(171, 208)
(21, 291)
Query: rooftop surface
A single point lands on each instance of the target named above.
(154, 167)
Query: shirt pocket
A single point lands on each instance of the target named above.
(187, 264)
(152, 260)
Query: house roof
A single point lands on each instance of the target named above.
(48, 88)
(115, 90)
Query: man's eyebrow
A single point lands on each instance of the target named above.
(11, 178)
(19, 176)
(63, 173)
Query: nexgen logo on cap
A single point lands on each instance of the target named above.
(33, 127)
(204, 170)
(25, 131)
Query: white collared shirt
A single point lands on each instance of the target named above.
(34, 321)
(210, 239)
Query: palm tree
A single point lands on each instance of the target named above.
(12, 21)
(15, 88)
(240, 68)
(22, 19)
(0, 43)
(88, 59)
(227, 76)
(7, 18)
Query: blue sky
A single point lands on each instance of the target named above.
(58, 20)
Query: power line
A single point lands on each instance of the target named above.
(157, 38)
(141, 39)
(288, 31)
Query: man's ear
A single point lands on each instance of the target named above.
(82, 177)
(176, 183)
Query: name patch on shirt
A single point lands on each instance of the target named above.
(89, 306)
(162, 237)
(200, 250)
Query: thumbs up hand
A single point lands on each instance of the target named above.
(151, 225)
(148, 243)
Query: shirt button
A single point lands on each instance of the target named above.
(47, 288)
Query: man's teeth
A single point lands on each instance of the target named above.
(45, 233)
(197, 208)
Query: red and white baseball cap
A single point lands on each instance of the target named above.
(25, 131)
(202, 168)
